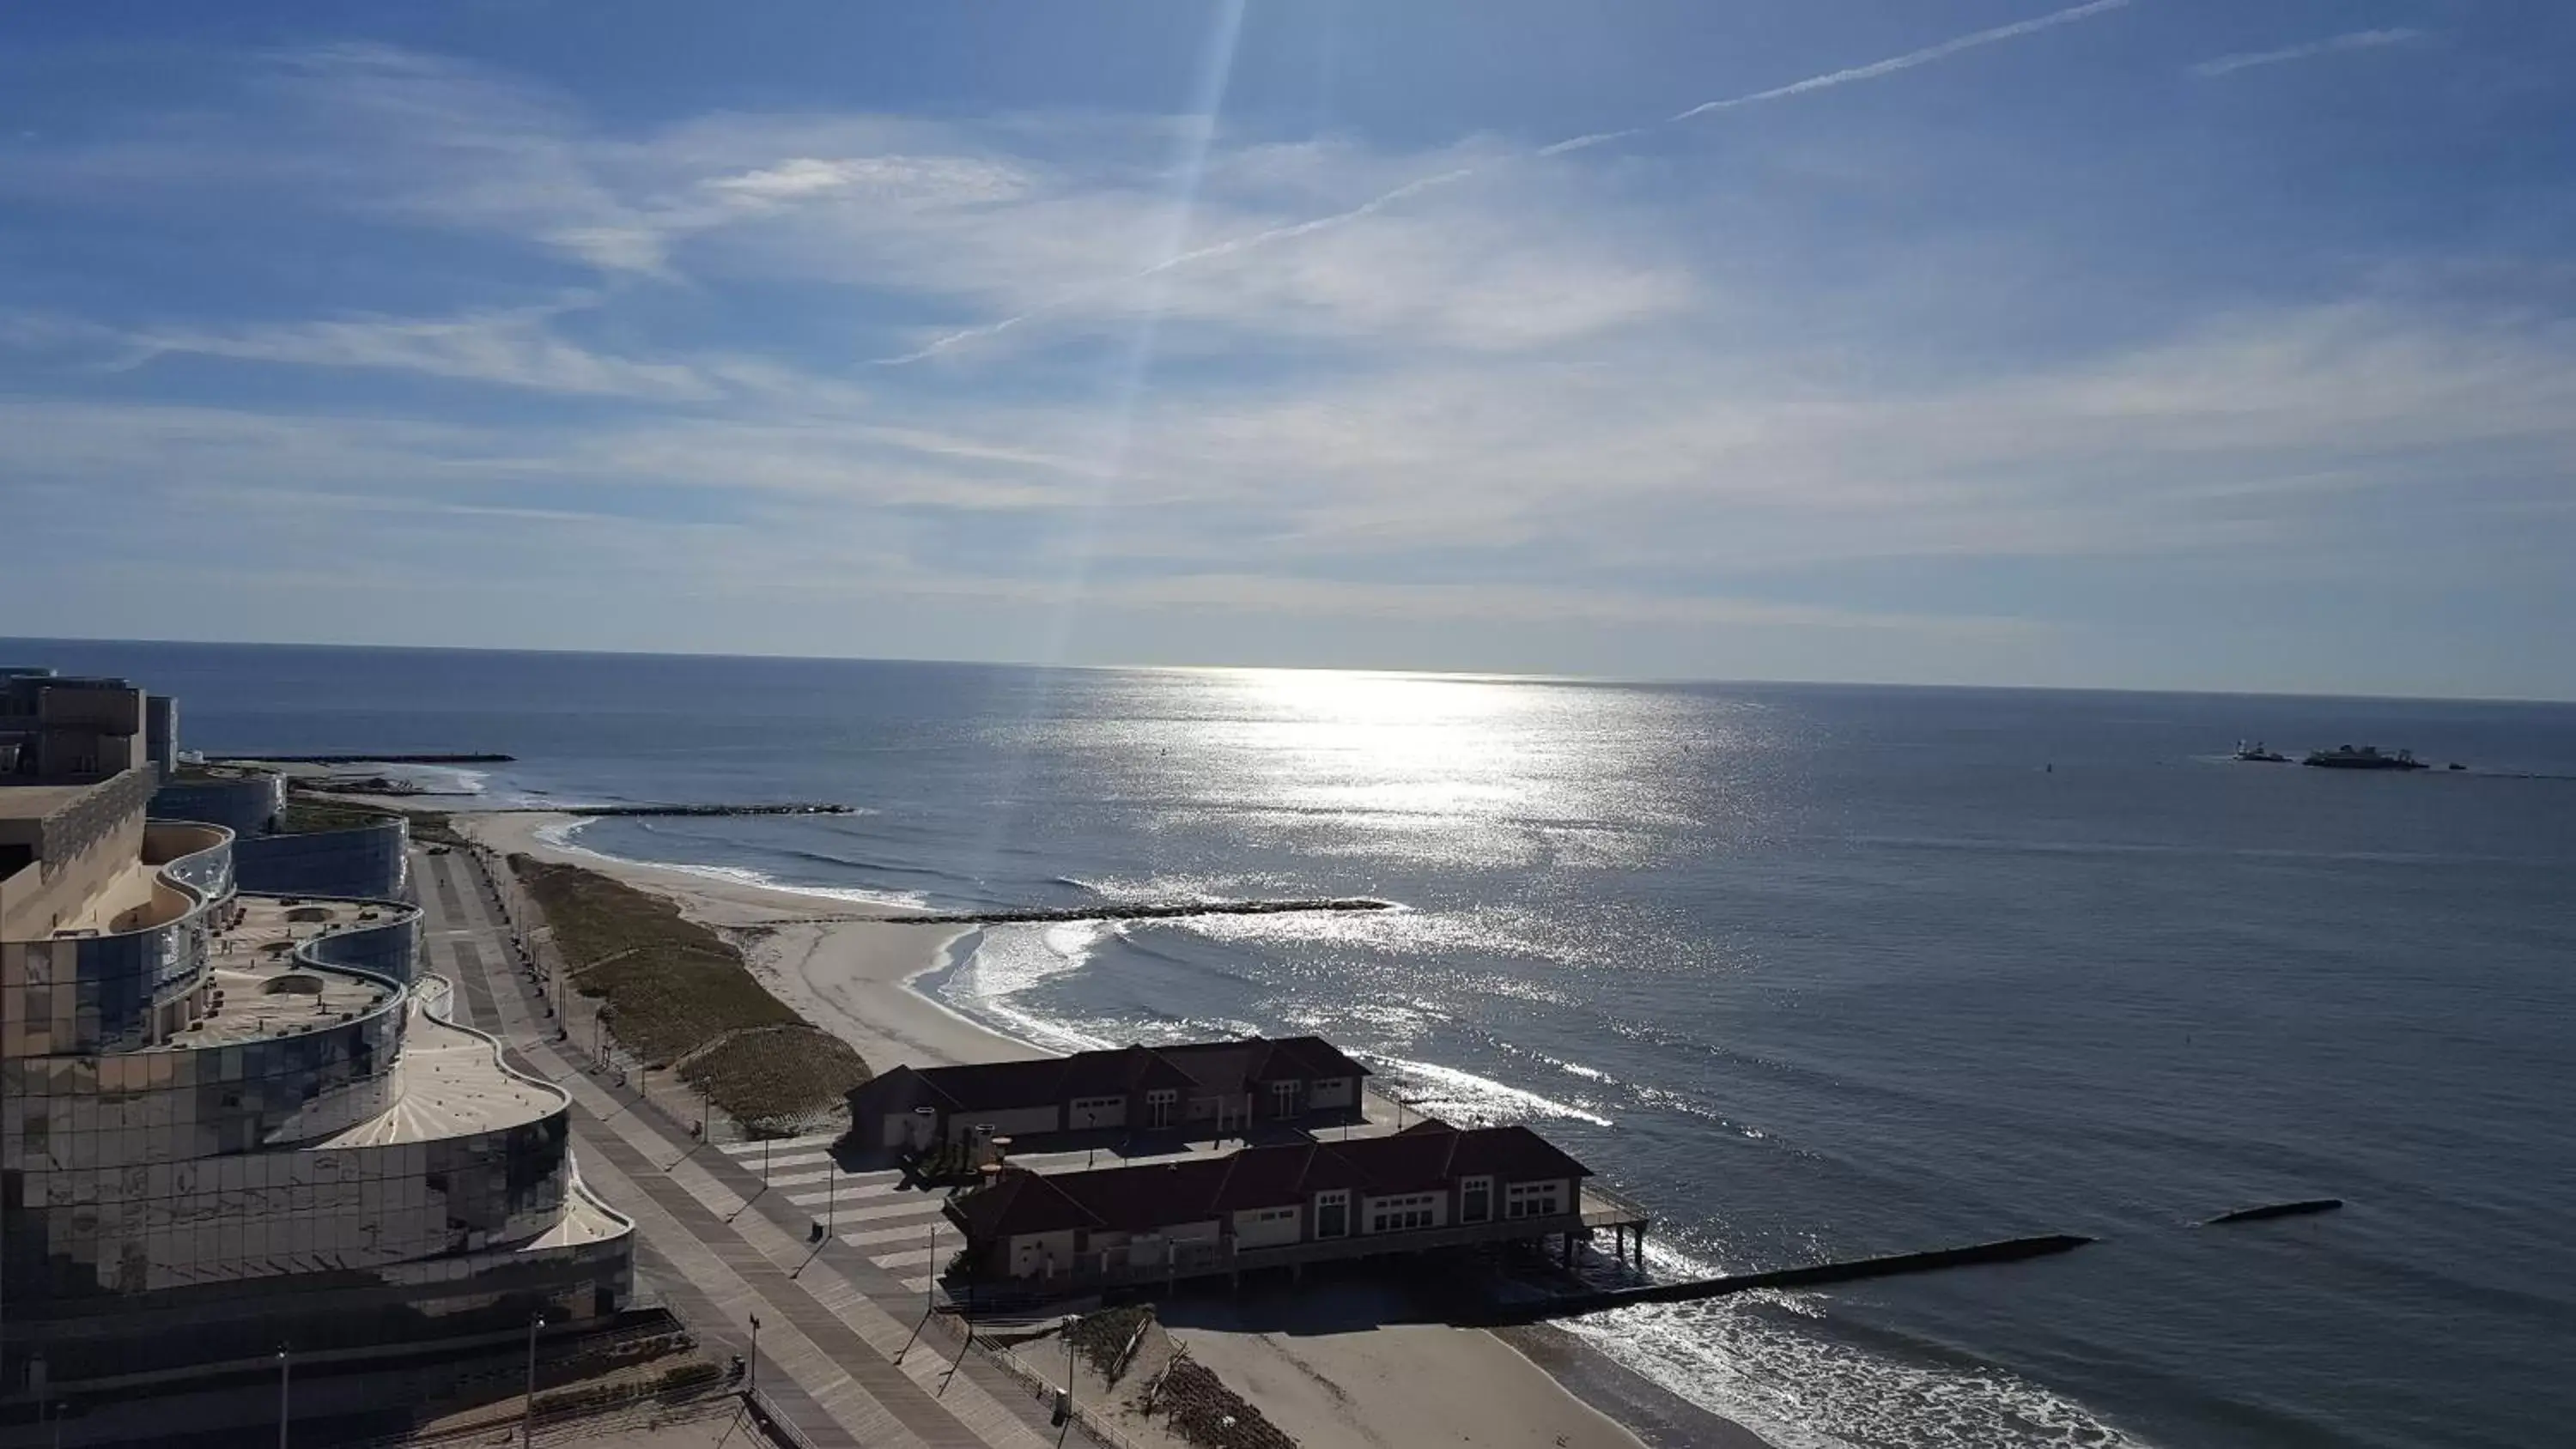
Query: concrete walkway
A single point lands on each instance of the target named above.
(723, 1245)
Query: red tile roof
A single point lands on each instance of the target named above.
(1211, 1068)
(1423, 1158)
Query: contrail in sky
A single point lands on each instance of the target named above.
(1872, 71)
(1910, 60)
(2357, 40)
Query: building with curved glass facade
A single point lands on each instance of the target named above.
(230, 1121)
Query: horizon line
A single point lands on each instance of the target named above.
(1490, 676)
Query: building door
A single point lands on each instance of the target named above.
(1333, 1215)
(1158, 1107)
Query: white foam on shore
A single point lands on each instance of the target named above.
(559, 835)
(1014, 958)
(1753, 1358)
(444, 779)
(1462, 1095)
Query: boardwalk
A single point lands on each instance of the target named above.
(723, 1246)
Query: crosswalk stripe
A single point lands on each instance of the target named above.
(781, 1145)
(817, 1177)
(881, 1212)
(846, 1192)
(907, 1233)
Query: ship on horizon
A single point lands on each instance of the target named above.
(2367, 757)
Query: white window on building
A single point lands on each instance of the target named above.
(1333, 1213)
(1534, 1199)
(1476, 1200)
(1402, 1214)
(1159, 1102)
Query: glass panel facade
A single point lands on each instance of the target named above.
(150, 1145)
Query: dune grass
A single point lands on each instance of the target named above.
(678, 995)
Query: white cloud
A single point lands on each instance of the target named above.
(516, 349)
(450, 144)
(1425, 181)
(1531, 393)
(916, 180)
(1666, 463)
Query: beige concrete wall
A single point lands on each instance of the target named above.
(1231, 1107)
(907, 1129)
(58, 892)
(1095, 1112)
(1259, 1228)
(1332, 1092)
(1033, 1254)
(17, 898)
(962, 1125)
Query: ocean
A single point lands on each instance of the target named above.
(1809, 970)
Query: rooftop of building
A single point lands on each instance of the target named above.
(305, 815)
(266, 991)
(197, 772)
(1421, 1158)
(585, 1220)
(454, 1084)
(1232, 1066)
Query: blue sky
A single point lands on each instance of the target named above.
(2171, 343)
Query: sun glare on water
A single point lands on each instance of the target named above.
(1460, 768)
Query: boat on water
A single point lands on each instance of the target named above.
(2367, 757)
(2256, 754)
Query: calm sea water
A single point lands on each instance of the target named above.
(1810, 970)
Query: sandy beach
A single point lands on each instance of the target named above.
(1334, 1377)
(848, 977)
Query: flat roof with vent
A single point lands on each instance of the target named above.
(267, 992)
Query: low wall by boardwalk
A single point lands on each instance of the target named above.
(1809, 1275)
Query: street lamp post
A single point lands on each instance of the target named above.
(751, 1380)
(1071, 1320)
(528, 1411)
(283, 1411)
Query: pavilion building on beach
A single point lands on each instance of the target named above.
(1430, 1186)
(1200, 1089)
